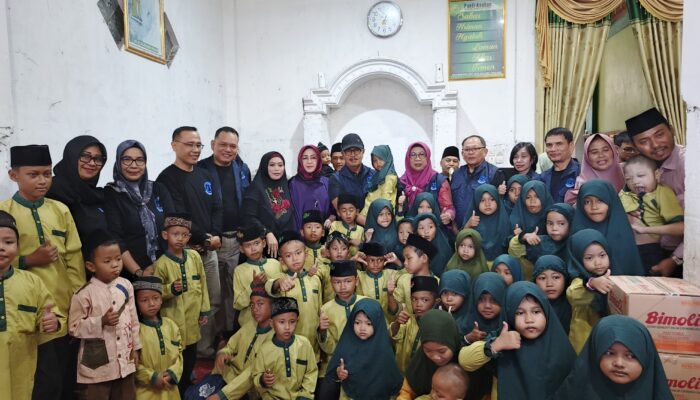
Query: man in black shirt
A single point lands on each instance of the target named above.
(559, 143)
(194, 191)
(233, 177)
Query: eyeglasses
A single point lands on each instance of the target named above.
(417, 156)
(85, 158)
(469, 150)
(128, 161)
(191, 145)
(353, 151)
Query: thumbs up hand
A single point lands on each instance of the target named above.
(259, 279)
(341, 371)
(517, 231)
(506, 340)
(532, 238)
(314, 269)
(49, 321)
(391, 284)
(111, 318)
(177, 286)
(324, 322)
(602, 284)
(268, 378)
(43, 255)
(287, 283)
(476, 334)
(502, 188)
(403, 316)
(473, 220)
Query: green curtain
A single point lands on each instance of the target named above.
(660, 46)
(576, 54)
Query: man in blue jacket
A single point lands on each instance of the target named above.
(233, 176)
(468, 177)
(354, 177)
(559, 144)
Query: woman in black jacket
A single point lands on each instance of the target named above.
(135, 209)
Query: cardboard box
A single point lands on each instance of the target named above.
(668, 307)
(683, 375)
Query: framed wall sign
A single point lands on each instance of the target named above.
(144, 29)
(477, 39)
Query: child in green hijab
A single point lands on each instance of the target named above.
(363, 360)
(590, 268)
(513, 188)
(380, 225)
(529, 247)
(469, 256)
(598, 207)
(536, 355)
(618, 361)
(384, 181)
(532, 354)
(508, 267)
(440, 343)
(551, 276)
(489, 217)
(426, 203)
(428, 227)
(455, 293)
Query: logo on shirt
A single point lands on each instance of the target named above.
(207, 188)
(433, 186)
(570, 182)
(482, 180)
(158, 206)
(100, 210)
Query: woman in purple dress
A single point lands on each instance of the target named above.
(309, 188)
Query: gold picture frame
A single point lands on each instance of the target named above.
(477, 39)
(144, 29)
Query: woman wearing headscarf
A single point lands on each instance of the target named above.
(370, 361)
(309, 188)
(383, 184)
(593, 376)
(75, 183)
(135, 208)
(468, 241)
(600, 161)
(420, 177)
(490, 219)
(267, 201)
(599, 207)
(440, 343)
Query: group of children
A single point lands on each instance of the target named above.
(393, 310)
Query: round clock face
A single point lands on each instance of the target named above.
(384, 19)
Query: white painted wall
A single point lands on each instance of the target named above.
(690, 89)
(281, 46)
(69, 78)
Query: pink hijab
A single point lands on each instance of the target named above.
(613, 174)
(300, 167)
(414, 181)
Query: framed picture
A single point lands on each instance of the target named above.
(144, 29)
(477, 39)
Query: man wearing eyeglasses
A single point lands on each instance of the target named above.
(468, 177)
(354, 177)
(194, 191)
(233, 175)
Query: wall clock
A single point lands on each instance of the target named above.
(384, 19)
